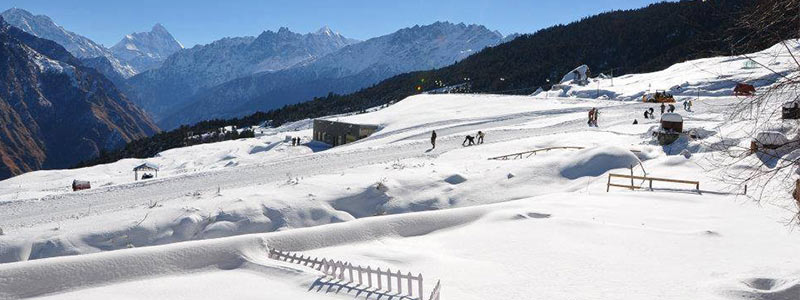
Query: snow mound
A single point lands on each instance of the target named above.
(598, 161)
(365, 204)
(771, 138)
(767, 289)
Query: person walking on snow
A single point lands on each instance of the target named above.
(652, 113)
(671, 108)
(594, 116)
(662, 108)
(433, 139)
(591, 116)
(690, 105)
(480, 137)
(686, 105)
(469, 139)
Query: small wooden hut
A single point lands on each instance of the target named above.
(743, 89)
(145, 167)
(78, 185)
(671, 128)
(672, 122)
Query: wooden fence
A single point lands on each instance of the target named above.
(383, 281)
(645, 178)
(527, 154)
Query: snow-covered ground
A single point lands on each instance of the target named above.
(540, 227)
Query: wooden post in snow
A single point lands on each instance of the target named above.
(369, 276)
(419, 282)
(631, 177)
(389, 279)
(380, 286)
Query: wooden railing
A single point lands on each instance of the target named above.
(436, 290)
(645, 178)
(363, 276)
(527, 154)
(521, 155)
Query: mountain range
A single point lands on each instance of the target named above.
(239, 75)
(134, 54)
(186, 72)
(352, 66)
(55, 111)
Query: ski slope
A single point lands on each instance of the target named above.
(540, 227)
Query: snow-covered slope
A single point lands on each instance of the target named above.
(543, 226)
(80, 46)
(707, 77)
(146, 50)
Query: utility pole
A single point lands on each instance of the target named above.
(598, 88)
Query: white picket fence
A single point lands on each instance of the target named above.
(383, 281)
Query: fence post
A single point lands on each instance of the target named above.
(421, 292)
(631, 177)
(360, 278)
(380, 286)
(399, 282)
(608, 185)
(330, 268)
(389, 279)
(350, 269)
(369, 276)
(410, 287)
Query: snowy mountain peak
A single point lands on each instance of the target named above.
(147, 50)
(158, 28)
(325, 30)
(81, 47)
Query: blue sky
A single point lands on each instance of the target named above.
(203, 21)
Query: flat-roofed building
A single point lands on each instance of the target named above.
(337, 133)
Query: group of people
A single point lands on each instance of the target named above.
(593, 113)
(469, 140)
(296, 141)
(687, 105)
(650, 112)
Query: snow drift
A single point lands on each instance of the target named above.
(598, 161)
